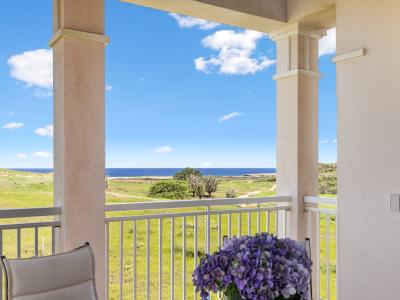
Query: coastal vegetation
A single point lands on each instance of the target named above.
(231, 193)
(327, 179)
(24, 189)
(169, 189)
(210, 184)
(186, 173)
(197, 185)
(185, 181)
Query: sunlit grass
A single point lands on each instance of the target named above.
(22, 190)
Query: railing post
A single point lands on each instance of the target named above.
(208, 220)
(281, 216)
(297, 122)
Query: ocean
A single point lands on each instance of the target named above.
(133, 172)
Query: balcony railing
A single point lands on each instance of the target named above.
(325, 209)
(27, 232)
(153, 247)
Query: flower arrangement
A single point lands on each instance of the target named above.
(261, 267)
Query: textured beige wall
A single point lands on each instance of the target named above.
(368, 149)
(79, 132)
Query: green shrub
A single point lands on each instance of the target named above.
(185, 174)
(210, 184)
(196, 185)
(328, 185)
(231, 193)
(169, 189)
(270, 178)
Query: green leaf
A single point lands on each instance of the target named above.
(231, 293)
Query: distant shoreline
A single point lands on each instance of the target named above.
(170, 177)
(169, 172)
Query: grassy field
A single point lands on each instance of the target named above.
(21, 189)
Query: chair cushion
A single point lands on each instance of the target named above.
(75, 292)
(68, 275)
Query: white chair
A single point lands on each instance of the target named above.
(65, 276)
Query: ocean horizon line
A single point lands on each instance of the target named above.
(141, 172)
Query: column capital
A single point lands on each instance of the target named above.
(297, 51)
(296, 29)
(298, 72)
(77, 34)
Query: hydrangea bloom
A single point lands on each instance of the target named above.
(260, 267)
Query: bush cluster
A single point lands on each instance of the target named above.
(327, 185)
(187, 181)
(169, 189)
(186, 173)
(231, 193)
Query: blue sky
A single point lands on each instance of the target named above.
(179, 91)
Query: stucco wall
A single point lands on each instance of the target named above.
(368, 149)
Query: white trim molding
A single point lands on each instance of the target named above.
(297, 72)
(349, 55)
(296, 28)
(76, 34)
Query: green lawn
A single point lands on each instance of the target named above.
(20, 189)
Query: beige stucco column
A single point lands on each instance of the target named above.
(79, 156)
(297, 124)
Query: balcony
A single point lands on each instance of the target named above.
(153, 247)
(130, 241)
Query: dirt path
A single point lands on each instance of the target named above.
(248, 195)
(118, 195)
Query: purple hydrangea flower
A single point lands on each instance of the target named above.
(260, 267)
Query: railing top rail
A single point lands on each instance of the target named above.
(321, 210)
(29, 212)
(165, 204)
(320, 200)
(196, 213)
(29, 225)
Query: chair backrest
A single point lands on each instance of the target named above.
(62, 276)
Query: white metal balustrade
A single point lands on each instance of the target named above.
(153, 247)
(325, 210)
(166, 239)
(27, 232)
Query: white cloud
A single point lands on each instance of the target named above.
(190, 22)
(235, 53)
(34, 68)
(230, 116)
(22, 155)
(327, 141)
(327, 45)
(108, 87)
(12, 126)
(162, 150)
(45, 131)
(207, 164)
(41, 154)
